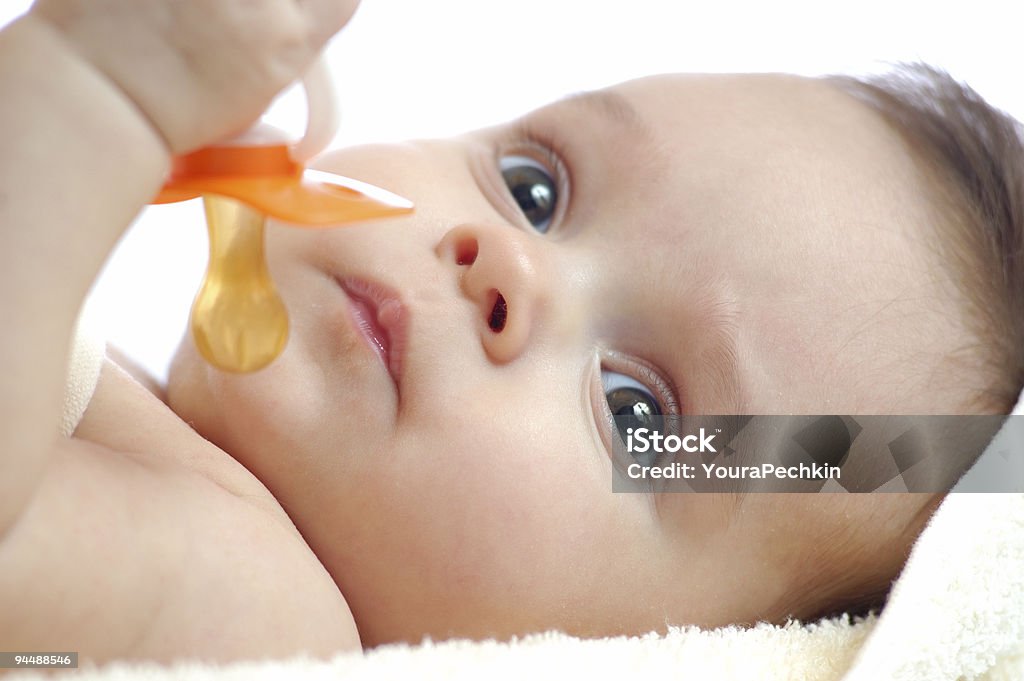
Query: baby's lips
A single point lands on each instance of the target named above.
(266, 178)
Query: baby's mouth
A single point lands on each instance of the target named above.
(381, 318)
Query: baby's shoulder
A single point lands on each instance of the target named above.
(144, 541)
(127, 414)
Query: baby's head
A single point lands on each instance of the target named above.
(703, 244)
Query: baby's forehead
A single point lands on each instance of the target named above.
(745, 111)
(680, 105)
(731, 126)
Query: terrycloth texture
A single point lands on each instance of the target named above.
(807, 653)
(956, 612)
(84, 363)
(958, 609)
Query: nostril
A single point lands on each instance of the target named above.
(465, 252)
(499, 314)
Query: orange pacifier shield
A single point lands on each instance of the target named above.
(266, 178)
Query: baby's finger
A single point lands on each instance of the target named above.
(326, 17)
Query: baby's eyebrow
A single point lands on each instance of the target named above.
(611, 106)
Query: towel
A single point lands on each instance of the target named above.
(85, 359)
(957, 610)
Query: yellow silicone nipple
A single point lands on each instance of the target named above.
(239, 322)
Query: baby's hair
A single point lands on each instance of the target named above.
(975, 156)
(972, 157)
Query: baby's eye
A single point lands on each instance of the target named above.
(631, 403)
(532, 187)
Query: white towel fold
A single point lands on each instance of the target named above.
(957, 610)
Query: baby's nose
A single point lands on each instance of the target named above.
(498, 272)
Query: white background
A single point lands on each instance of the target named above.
(411, 68)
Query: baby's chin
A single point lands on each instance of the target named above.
(251, 416)
(190, 393)
(195, 393)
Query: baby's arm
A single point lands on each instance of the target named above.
(97, 95)
(78, 161)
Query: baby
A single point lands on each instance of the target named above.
(694, 244)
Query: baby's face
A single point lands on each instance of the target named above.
(706, 245)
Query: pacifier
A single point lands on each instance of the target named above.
(239, 322)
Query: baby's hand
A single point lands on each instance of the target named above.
(199, 70)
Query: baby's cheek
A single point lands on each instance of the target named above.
(852, 548)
